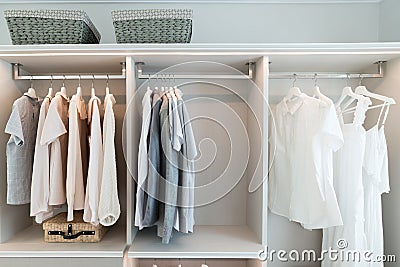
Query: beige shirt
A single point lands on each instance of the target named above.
(55, 135)
(77, 156)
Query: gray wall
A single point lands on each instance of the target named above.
(245, 23)
(389, 21)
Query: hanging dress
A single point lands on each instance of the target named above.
(348, 185)
(376, 182)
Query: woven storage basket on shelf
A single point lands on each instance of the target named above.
(59, 224)
(51, 27)
(153, 25)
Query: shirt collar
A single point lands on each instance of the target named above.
(295, 104)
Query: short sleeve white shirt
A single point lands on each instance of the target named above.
(300, 186)
(95, 170)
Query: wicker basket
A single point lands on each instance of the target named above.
(51, 27)
(153, 25)
(58, 230)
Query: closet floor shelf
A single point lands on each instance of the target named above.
(29, 243)
(206, 242)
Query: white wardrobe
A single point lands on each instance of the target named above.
(233, 225)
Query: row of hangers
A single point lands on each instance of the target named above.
(167, 86)
(357, 94)
(31, 92)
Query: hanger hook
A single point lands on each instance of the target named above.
(108, 79)
(361, 79)
(92, 80)
(294, 79)
(51, 81)
(63, 84)
(79, 80)
(315, 79)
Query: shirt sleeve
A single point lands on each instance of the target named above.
(14, 127)
(190, 140)
(331, 129)
(53, 126)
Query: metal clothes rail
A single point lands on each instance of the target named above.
(249, 75)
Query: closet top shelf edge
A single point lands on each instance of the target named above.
(205, 48)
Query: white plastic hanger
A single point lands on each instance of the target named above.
(294, 91)
(347, 92)
(63, 89)
(362, 90)
(50, 93)
(107, 88)
(317, 92)
(93, 90)
(79, 89)
(31, 92)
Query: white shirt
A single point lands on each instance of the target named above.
(40, 188)
(142, 155)
(94, 177)
(299, 184)
(75, 161)
(109, 207)
(55, 134)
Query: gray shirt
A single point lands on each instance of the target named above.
(22, 126)
(185, 214)
(170, 173)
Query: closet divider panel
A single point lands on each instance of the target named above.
(131, 129)
(257, 198)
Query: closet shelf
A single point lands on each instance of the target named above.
(206, 242)
(105, 58)
(29, 244)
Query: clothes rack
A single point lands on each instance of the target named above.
(16, 75)
(272, 75)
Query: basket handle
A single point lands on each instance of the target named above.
(69, 235)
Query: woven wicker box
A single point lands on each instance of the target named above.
(58, 230)
(153, 25)
(51, 27)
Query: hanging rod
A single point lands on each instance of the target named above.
(272, 75)
(16, 75)
(247, 76)
(326, 75)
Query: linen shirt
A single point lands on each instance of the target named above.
(300, 186)
(40, 189)
(109, 207)
(92, 194)
(55, 135)
(22, 126)
(77, 156)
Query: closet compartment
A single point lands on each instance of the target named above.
(19, 236)
(229, 126)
